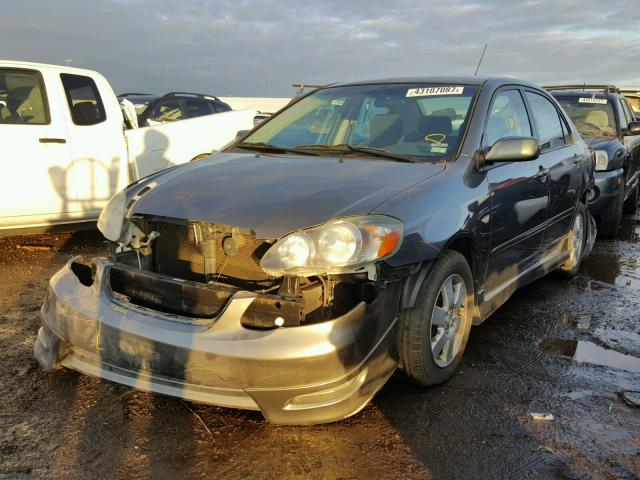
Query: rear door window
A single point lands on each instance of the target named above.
(197, 108)
(83, 99)
(507, 118)
(547, 121)
(23, 99)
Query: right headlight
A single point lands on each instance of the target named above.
(339, 246)
(602, 160)
(112, 223)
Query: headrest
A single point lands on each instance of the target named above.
(434, 124)
(385, 130)
(597, 117)
(85, 113)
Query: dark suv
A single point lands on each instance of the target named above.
(362, 229)
(606, 121)
(172, 106)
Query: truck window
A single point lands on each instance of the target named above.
(23, 98)
(84, 99)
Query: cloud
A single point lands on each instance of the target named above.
(234, 47)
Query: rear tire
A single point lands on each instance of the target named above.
(433, 335)
(631, 203)
(576, 243)
(609, 221)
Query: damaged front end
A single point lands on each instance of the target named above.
(184, 308)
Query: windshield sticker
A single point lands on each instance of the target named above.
(338, 101)
(440, 148)
(436, 138)
(427, 91)
(602, 101)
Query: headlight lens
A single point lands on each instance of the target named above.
(111, 221)
(335, 247)
(602, 160)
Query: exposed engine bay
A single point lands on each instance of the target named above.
(192, 268)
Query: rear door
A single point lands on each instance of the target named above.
(519, 197)
(34, 186)
(561, 158)
(96, 139)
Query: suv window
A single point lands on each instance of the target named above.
(547, 121)
(166, 112)
(197, 108)
(84, 99)
(23, 98)
(507, 118)
(219, 107)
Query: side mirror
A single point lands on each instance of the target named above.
(241, 134)
(633, 128)
(513, 149)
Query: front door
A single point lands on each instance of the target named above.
(519, 198)
(34, 186)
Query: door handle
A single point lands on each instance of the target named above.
(53, 140)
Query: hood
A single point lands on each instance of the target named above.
(596, 140)
(274, 195)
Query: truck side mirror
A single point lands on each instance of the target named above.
(633, 128)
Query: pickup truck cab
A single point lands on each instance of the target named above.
(67, 151)
(606, 121)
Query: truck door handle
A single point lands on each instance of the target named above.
(53, 140)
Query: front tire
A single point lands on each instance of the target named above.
(609, 221)
(576, 243)
(433, 334)
(631, 204)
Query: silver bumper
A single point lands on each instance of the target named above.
(296, 375)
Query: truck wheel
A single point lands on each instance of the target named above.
(433, 334)
(609, 220)
(631, 203)
(575, 244)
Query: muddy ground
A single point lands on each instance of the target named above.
(557, 347)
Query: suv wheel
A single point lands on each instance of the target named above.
(433, 334)
(575, 243)
(609, 220)
(631, 204)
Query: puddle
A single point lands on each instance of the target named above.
(621, 271)
(581, 321)
(589, 352)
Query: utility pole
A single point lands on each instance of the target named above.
(269, 85)
(68, 62)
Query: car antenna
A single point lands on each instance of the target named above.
(481, 57)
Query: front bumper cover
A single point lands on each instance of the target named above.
(606, 185)
(297, 375)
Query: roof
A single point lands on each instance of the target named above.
(40, 66)
(436, 80)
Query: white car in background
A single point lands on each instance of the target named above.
(66, 149)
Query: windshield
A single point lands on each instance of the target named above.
(635, 104)
(418, 121)
(592, 116)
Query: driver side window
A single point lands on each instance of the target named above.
(507, 118)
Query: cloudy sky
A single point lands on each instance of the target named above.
(235, 47)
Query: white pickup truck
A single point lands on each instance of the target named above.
(66, 151)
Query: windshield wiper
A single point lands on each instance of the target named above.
(267, 147)
(347, 148)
